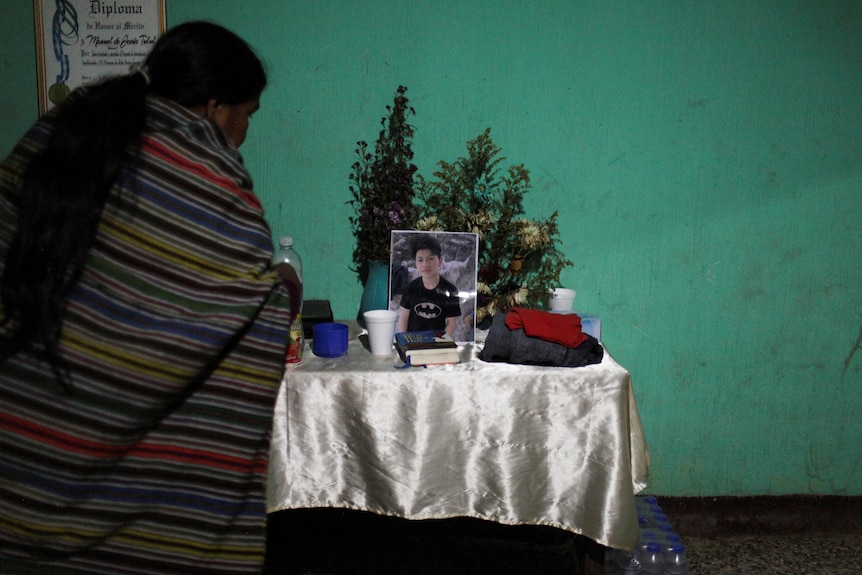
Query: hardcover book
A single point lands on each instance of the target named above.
(426, 347)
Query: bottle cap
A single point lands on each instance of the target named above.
(285, 241)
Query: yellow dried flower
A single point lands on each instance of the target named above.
(429, 224)
(478, 222)
(531, 235)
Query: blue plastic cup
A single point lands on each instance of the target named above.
(329, 339)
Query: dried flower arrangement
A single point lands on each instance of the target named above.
(382, 185)
(518, 257)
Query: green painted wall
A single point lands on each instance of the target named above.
(705, 158)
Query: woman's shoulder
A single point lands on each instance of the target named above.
(180, 140)
(171, 121)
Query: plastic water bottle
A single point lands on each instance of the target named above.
(646, 522)
(651, 559)
(659, 529)
(646, 539)
(645, 503)
(675, 560)
(286, 254)
(670, 540)
(629, 562)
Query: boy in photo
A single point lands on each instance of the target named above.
(430, 302)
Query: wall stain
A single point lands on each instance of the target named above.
(618, 158)
(790, 255)
(753, 292)
(849, 359)
(699, 103)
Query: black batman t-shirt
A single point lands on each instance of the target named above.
(430, 308)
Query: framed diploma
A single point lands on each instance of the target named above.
(79, 42)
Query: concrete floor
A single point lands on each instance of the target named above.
(770, 535)
(824, 554)
(723, 536)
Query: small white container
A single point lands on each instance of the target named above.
(561, 299)
(380, 324)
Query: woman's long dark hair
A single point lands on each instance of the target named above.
(66, 186)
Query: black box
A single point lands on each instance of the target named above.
(315, 311)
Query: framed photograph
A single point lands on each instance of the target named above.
(432, 284)
(79, 42)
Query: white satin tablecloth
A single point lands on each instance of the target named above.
(509, 443)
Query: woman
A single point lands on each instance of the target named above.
(143, 329)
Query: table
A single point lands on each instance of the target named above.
(514, 444)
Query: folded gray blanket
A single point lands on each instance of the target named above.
(514, 346)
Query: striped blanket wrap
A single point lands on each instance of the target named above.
(175, 334)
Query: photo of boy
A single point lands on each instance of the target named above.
(429, 302)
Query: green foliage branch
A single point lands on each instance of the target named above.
(519, 258)
(382, 185)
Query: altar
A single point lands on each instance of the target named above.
(514, 444)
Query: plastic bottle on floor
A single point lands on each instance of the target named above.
(646, 522)
(669, 541)
(651, 560)
(659, 530)
(675, 560)
(628, 562)
(644, 502)
(649, 536)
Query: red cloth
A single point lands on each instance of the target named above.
(564, 329)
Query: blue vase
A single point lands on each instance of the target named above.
(376, 292)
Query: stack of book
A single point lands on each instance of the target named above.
(426, 347)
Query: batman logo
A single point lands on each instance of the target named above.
(427, 310)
